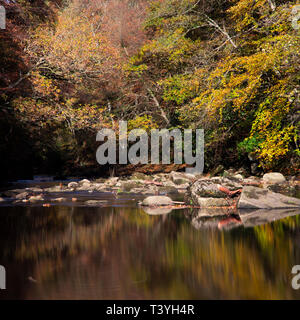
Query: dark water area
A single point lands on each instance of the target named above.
(118, 251)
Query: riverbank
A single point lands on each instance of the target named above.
(228, 192)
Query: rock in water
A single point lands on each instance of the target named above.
(207, 193)
(257, 198)
(273, 177)
(157, 201)
(36, 198)
(213, 202)
(73, 184)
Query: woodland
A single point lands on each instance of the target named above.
(69, 68)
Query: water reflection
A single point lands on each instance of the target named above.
(66, 252)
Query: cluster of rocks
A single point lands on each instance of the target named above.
(231, 189)
(234, 192)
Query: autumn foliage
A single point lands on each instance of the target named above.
(71, 67)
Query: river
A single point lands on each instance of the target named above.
(118, 251)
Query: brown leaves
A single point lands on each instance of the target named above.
(228, 192)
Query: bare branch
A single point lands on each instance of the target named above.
(223, 31)
(163, 114)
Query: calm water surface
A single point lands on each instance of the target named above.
(118, 251)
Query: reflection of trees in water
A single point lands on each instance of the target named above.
(125, 253)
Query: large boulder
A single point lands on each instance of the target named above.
(258, 198)
(209, 188)
(154, 201)
(273, 177)
(214, 202)
(208, 193)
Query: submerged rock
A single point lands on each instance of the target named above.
(273, 177)
(257, 198)
(153, 201)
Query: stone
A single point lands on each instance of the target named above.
(84, 181)
(22, 195)
(55, 189)
(137, 190)
(35, 189)
(273, 178)
(258, 198)
(112, 181)
(209, 188)
(183, 186)
(73, 185)
(169, 183)
(60, 199)
(2, 199)
(206, 192)
(213, 202)
(13, 193)
(36, 198)
(230, 183)
(238, 176)
(181, 178)
(139, 176)
(168, 189)
(153, 201)
(129, 185)
(243, 171)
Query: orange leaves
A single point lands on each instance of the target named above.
(73, 48)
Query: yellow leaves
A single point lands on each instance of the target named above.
(142, 122)
(74, 48)
(275, 145)
(44, 87)
(243, 12)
